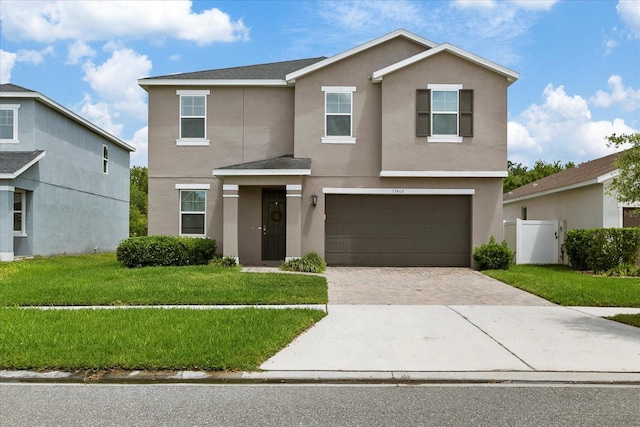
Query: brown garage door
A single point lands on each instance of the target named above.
(385, 230)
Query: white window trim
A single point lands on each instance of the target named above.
(338, 139)
(15, 108)
(23, 231)
(192, 187)
(445, 138)
(105, 160)
(192, 141)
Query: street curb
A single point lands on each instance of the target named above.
(324, 377)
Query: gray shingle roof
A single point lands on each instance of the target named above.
(12, 161)
(283, 162)
(270, 71)
(581, 173)
(9, 87)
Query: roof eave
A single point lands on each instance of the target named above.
(145, 82)
(261, 172)
(552, 191)
(70, 114)
(291, 77)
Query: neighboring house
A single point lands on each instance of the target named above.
(64, 182)
(391, 153)
(576, 198)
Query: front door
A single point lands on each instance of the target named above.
(274, 224)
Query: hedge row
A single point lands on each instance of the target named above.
(601, 249)
(146, 251)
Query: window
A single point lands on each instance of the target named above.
(19, 217)
(9, 123)
(523, 212)
(338, 107)
(193, 117)
(444, 113)
(105, 159)
(192, 212)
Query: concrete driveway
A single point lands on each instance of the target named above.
(422, 286)
(452, 320)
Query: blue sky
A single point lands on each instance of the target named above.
(579, 61)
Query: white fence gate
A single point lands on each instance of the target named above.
(534, 242)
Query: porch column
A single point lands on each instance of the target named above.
(6, 222)
(294, 222)
(230, 221)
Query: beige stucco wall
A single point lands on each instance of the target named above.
(580, 208)
(363, 157)
(485, 151)
(243, 125)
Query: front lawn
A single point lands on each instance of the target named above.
(141, 338)
(561, 285)
(100, 280)
(629, 319)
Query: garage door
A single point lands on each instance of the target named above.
(388, 230)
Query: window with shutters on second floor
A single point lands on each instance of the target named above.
(444, 113)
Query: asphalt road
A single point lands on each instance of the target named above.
(29, 404)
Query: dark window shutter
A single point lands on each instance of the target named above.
(466, 112)
(423, 112)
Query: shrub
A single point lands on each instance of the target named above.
(624, 270)
(493, 256)
(199, 251)
(602, 249)
(227, 261)
(159, 251)
(309, 263)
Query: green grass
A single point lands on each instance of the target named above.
(561, 285)
(100, 280)
(147, 338)
(629, 319)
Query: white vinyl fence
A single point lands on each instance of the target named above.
(534, 242)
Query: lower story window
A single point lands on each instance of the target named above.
(19, 219)
(192, 212)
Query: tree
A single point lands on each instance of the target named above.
(519, 175)
(138, 196)
(626, 186)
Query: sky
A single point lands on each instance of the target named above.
(579, 61)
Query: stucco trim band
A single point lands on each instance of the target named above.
(402, 191)
(443, 174)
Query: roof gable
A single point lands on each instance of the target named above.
(588, 173)
(328, 61)
(511, 75)
(14, 163)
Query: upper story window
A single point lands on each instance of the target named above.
(9, 123)
(338, 112)
(193, 117)
(105, 159)
(444, 113)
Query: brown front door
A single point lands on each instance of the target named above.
(274, 224)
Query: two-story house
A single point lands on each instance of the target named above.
(391, 153)
(64, 182)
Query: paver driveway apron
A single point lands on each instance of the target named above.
(421, 286)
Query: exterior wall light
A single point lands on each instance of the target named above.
(314, 199)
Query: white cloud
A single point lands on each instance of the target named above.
(475, 4)
(78, 51)
(47, 21)
(140, 142)
(116, 80)
(33, 56)
(544, 5)
(626, 97)
(561, 128)
(8, 60)
(100, 114)
(629, 13)
(175, 57)
(366, 14)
